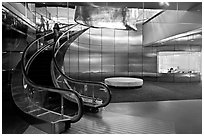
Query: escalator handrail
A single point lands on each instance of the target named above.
(45, 88)
(75, 80)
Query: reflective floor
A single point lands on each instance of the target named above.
(162, 117)
(175, 116)
(186, 115)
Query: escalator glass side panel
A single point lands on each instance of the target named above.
(94, 94)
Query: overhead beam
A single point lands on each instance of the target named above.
(170, 23)
(153, 17)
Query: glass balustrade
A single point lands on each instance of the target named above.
(47, 102)
(94, 94)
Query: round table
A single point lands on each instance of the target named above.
(124, 82)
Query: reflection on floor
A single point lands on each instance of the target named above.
(12, 123)
(180, 116)
(158, 91)
(183, 117)
(186, 115)
(152, 90)
(115, 123)
(33, 130)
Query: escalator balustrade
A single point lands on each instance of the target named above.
(35, 94)
(94, 94)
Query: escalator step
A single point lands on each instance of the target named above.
(39, 71)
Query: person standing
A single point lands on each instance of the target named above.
(42, 21)
(47, 24)
(56, 31)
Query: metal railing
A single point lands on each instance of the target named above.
(35, 92)
(94, 94)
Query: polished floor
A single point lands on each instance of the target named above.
(161, 117)
(154, 91)
(158, 91)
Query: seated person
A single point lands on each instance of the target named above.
(170, 70)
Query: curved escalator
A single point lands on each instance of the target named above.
(42, 91)
(35, 94)
(94, 94)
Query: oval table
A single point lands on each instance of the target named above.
(124, 82)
